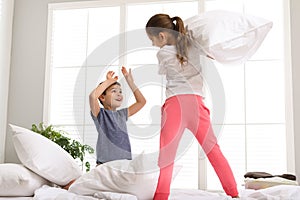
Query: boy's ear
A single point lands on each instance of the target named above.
(101, 98)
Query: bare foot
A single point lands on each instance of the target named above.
(66, 187)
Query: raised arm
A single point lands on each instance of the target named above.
(96, 93)
(139, 97)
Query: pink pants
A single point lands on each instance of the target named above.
(188, 111)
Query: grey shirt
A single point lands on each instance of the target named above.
(181, 79)
(113, 140)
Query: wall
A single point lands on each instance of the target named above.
(27, 73)
(295, 49)
(26, 88)
(6, 18)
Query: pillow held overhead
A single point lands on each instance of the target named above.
(44, 157)
(228, 37)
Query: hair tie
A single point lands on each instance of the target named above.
(172, 21)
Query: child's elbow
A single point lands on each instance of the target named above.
(92, 95)
(145, 102)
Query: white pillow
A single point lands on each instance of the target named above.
(136, 177)
(44, 157)
(17, 180)
(228, 37)
(262, 183)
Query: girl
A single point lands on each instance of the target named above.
(179, 61)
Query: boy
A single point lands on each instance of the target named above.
(113, 140)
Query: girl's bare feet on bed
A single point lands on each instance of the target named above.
(66, 187)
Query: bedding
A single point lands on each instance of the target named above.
(228, 37)
(38, 153)
(46, 192)
(137, 177)
(117, 180)
(262, 183)
(17, 180)
(279, 192)
(16, 198)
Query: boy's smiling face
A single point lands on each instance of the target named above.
(113, 97)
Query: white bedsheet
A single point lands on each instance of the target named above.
(52, 193)
(15, 198)
(280, 192)
(189, 194)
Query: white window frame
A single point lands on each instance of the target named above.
(289, 113)
(6, 23)
(202, 170)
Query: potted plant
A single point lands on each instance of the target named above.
(73, 147)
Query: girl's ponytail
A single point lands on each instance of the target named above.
(183, 40)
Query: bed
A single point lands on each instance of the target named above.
(280, 192)
(45, 167)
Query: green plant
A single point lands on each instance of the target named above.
(73, 147)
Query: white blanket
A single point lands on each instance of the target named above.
(280, 192)
(51, 193)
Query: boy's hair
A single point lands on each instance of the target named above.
(104, 92)
(163, 22)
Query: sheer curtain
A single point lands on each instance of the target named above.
(6, 16)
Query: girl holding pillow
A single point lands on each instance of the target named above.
(179, 61)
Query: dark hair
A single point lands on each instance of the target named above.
(104, 92)
(163, 22)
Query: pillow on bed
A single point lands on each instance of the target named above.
(136, 177)
(226, 36)
(262, 183)
(44, 157)
(17, 180)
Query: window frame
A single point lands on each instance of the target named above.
(202, 182)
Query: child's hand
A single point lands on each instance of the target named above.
(127, 75)
(110, 76)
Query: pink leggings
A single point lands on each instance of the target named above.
(188, 111)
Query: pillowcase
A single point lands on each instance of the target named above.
(228, 37)
(44, 157)
(137, 177)
(17, 180)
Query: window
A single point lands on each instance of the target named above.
(2, 136)
(1, 2)
(85, 39)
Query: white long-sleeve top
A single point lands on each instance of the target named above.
(181, 78)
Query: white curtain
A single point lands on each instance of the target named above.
(6, 19)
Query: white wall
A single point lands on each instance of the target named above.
(26, 88)
(295, 49)
(5, 49)
(27, 73)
